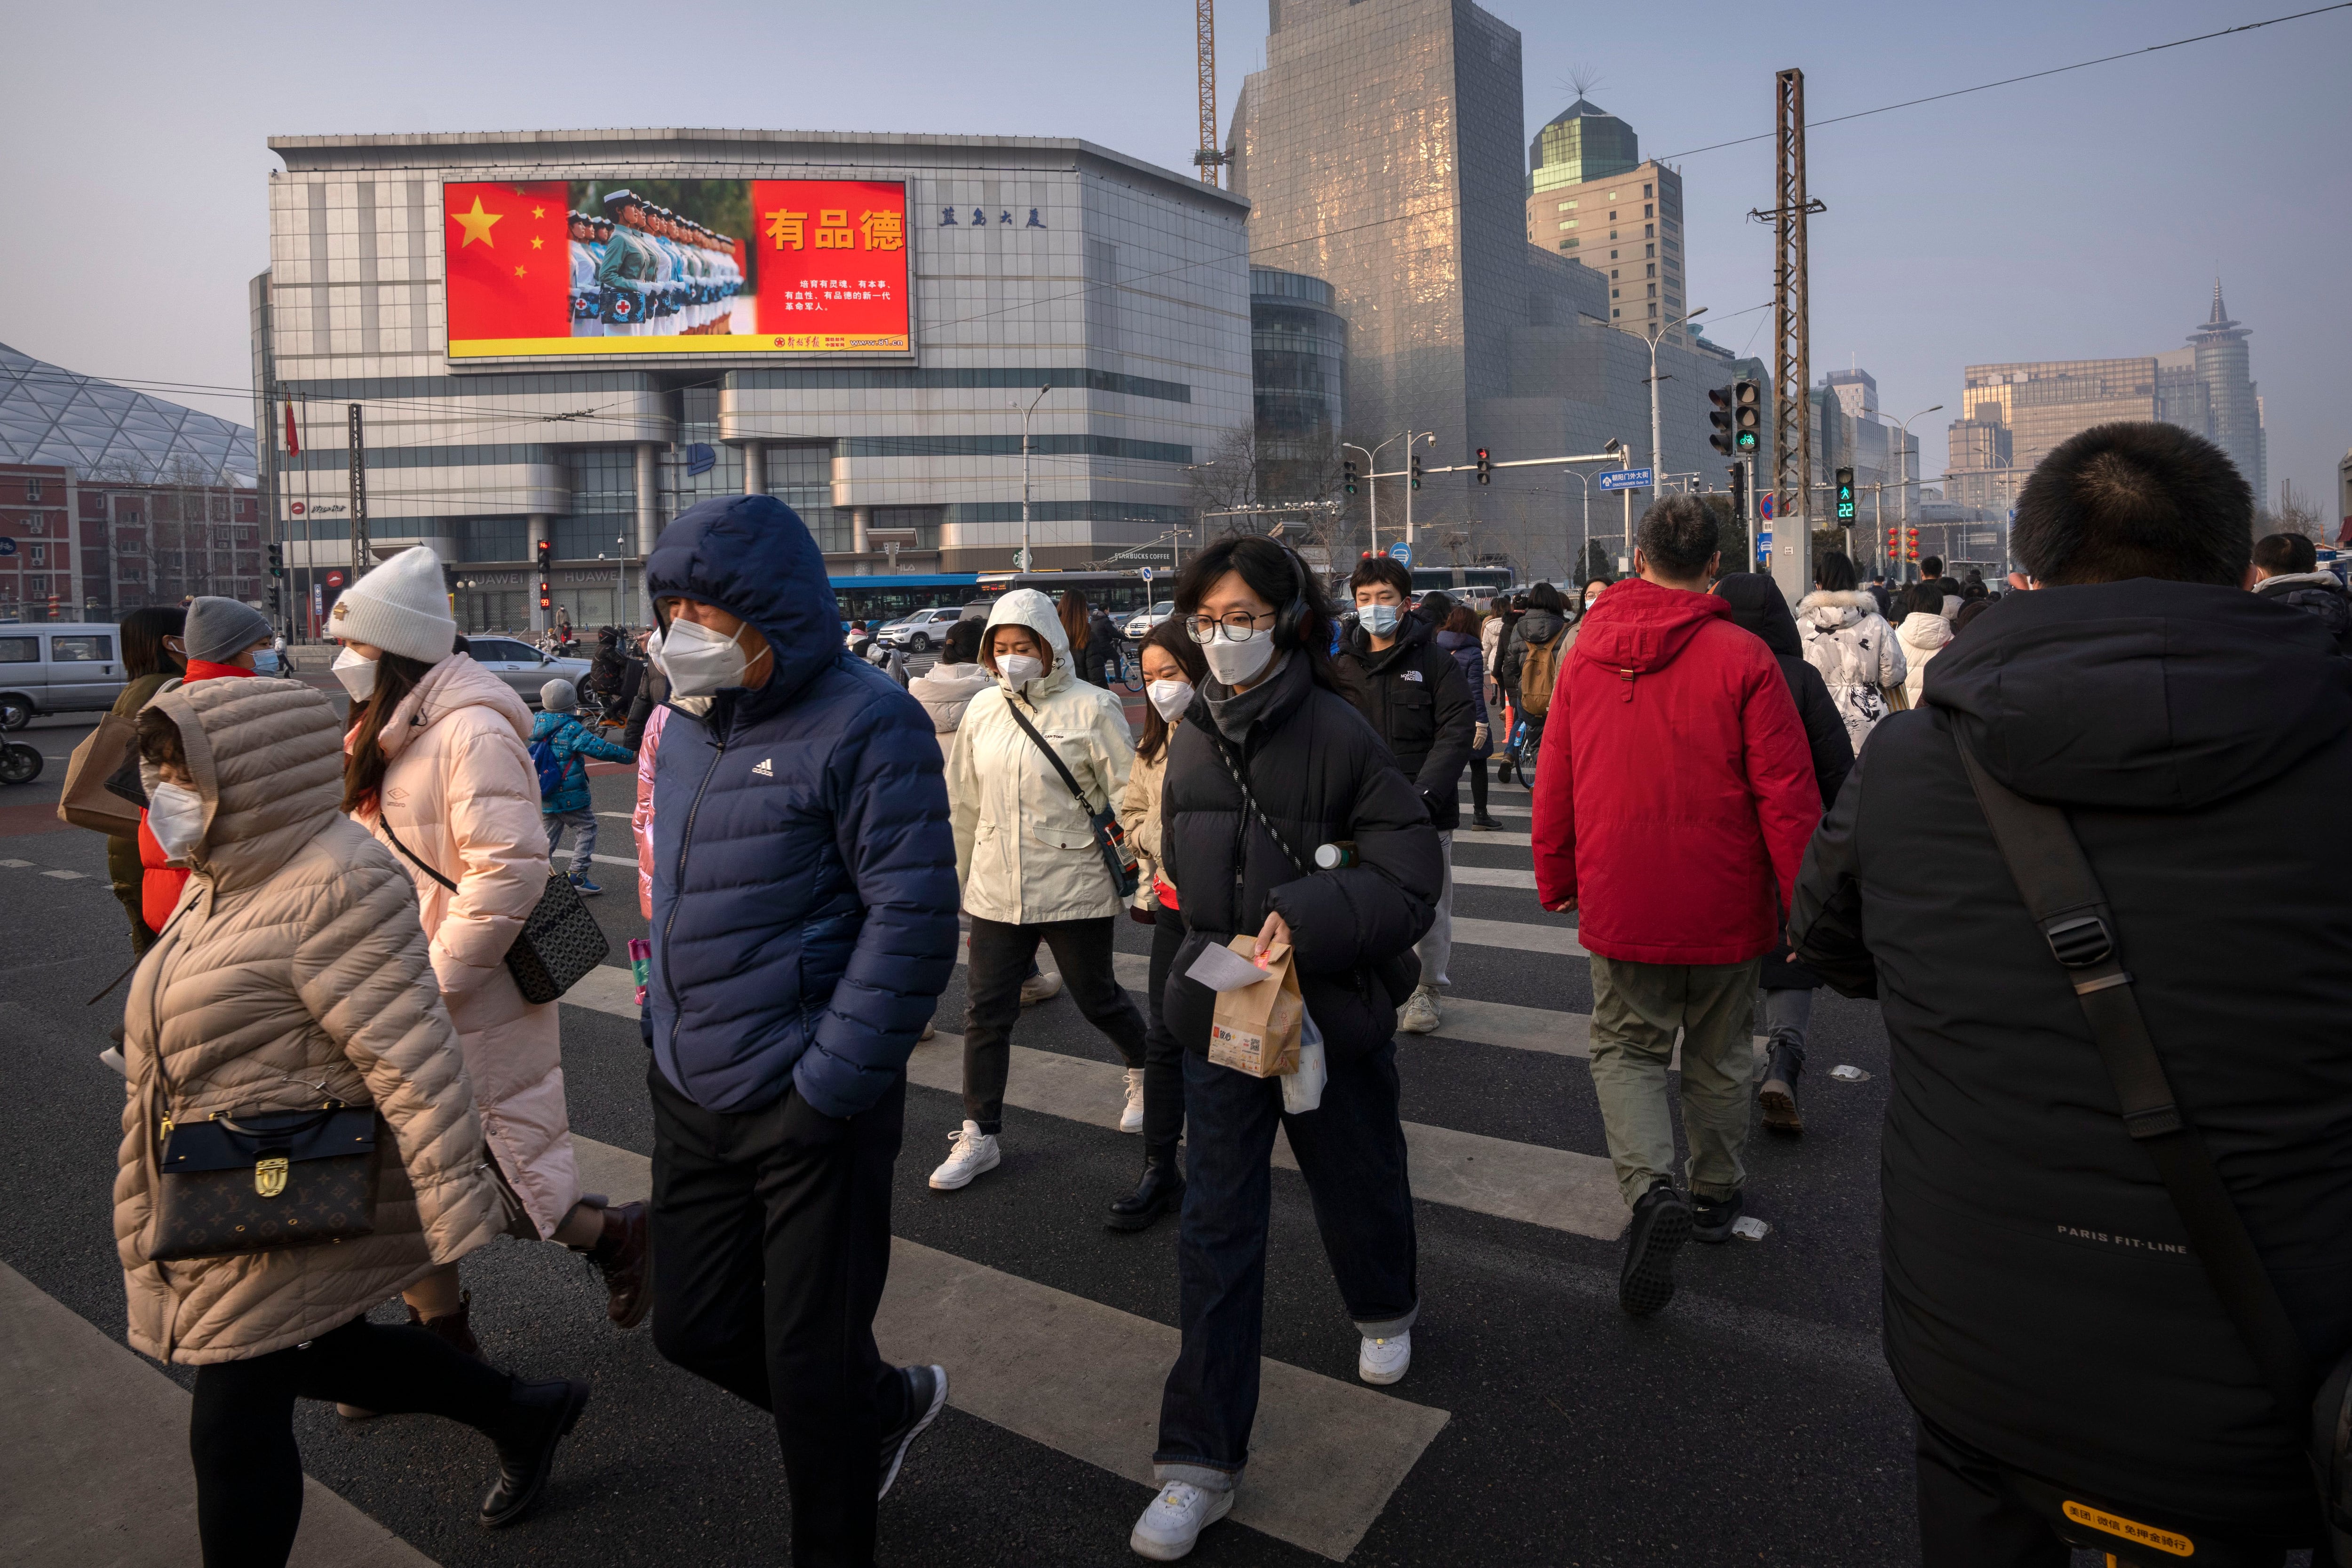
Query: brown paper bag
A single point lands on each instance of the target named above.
(86, 802)
(1255, 1029)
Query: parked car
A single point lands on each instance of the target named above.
(523, 667)
(64, 667)
(918, 632)
(1141, 624)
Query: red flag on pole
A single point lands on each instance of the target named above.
(293, 442)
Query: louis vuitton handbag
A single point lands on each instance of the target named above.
(238, 1182)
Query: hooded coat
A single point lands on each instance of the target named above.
(573, 743)
(2317, 594)
(1674, 791)
(946, 692)
(804, 897)
(1416, 699)
(1853, 647)
(2040, 1299)
(1923, 634)
(1471, 662)
(461, 793)
(1534, 627)
(295, 969)
(1024, 845)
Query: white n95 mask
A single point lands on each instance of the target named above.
(698, 662)
(1236, 663)
(1170, 699)
(1019, 668)
(176, 815)
(357, 673)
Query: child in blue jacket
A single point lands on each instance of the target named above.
(560, 745)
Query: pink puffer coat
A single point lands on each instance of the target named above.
(460, 790)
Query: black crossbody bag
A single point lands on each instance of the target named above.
(1110, 838)
(559, 944)
(2063, 894)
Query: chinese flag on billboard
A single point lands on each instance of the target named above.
(832, 260)
(509, 268)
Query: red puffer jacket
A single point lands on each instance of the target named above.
(161, 882)
(1674, 791)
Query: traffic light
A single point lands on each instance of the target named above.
(546, 553)
(1485, 468)
(1415, 467)
(1348, 475)
(277, 562)
(274, 602)
(1720, 417)
(1747, 416)
(1845, 495)
(1739, 493)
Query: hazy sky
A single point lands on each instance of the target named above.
(2079, 216)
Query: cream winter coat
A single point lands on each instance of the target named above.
(460, 790)
(1138, 813)
(1855, 650)
(1923, 636)
(293, 972)
(1024, 850)
(946, 692)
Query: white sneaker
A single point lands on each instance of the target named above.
(1383, 1361)
(1132, 1119)
(1171, 1526)
(1420, 1015)
(931, 1029)
(1039, 986)
(969, 1151)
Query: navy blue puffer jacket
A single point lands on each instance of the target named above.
(804, 881)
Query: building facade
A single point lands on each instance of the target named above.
(1591, 197)
(1118, 290)
(1298, 364)
(73, 548)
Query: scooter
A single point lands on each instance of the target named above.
(19, 764)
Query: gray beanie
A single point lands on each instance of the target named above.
(558, 697)
(219, 629)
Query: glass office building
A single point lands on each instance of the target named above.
(1118, 290)
(1299, 356)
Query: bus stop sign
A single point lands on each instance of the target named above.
(1402, 554)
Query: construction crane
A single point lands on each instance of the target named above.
(1208, 157)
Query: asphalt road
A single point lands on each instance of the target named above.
(1752, 1421)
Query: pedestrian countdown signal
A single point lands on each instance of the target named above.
(1845, 495)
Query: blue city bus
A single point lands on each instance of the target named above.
(1461, 582)
(886, 597)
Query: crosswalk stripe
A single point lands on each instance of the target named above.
(1492, 876)
(1471, 839)
(1559, 940)
(1085, 1379)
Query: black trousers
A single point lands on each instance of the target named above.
(774, 1230)
(1351, 1151)
(1970, 1517)
(1163, 1058)
(241, 1428)
(1479, 787)
(999, 962)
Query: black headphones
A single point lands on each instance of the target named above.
(1294, 614)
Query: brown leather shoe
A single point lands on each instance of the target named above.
(624, 1254)
(456, 1326)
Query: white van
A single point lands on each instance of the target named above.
(64, 667)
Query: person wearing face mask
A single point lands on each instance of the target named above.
(1026, 854)
(1172, 672)
(218, 640)
(151, 658)
(1271, 717)
(1415, 697)
(436, 769)
(804, 926)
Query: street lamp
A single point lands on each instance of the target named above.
(1657, 457)
(1415, 439)
(1584, 529)
(1023, 562)
(1371, 465)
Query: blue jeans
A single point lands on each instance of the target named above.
(583, 840)
(1350, 1149)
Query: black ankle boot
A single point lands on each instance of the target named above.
(539, 1416)
(1161, 1191)
(1777, 1097)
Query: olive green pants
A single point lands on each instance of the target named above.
(1637, 1010)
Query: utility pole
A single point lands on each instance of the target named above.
(1792, 364)
(359, 497)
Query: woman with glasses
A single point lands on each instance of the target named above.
(1272, 765)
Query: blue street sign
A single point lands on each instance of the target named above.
(1147, 577)
(1400, 553)
(1625, 480)
(8, 547)
(700, 458)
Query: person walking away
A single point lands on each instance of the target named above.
(1103, 640)
(1533, 657)
(1491, 626)
(1924, 633)
(296, 973)
(1077, 628)
(1757, 606)
(1275, 763)
(437, 770)
(1460, 636)
(2286, 571)
(2047, 1315)
(1510, 612)
(1415, 698)
(561, 746)
(152, 656)
(1851, 644)
(804, 927)
(1672, 808)
(1027, 857)
(217, 641)
(1173, 671)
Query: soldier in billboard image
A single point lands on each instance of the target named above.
(625, 278)
(587, 251)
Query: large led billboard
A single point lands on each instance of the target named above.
(603, 267)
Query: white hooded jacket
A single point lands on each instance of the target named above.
(1024, 848)
(1857, 652)
(1923, 634)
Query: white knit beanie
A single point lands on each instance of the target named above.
(402, 606)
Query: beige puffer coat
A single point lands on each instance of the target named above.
(1025, 850)
(293, 971)
(460, 790)
(1138, 813)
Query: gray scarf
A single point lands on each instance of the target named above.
(1235, 712)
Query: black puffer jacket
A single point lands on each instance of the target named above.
(1321, 774)
(2040, 1301)
(1414, 697)
(2317, 594)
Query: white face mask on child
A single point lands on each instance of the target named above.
(176, 815)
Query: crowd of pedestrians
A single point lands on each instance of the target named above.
(1740, 801)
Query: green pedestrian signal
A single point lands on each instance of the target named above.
(1845, 495)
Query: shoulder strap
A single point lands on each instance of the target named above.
(2062, 895)
(412, 860)
(1012, 706)
(1240, 778)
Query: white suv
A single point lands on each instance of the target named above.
(919, 631)
(1141, 624)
